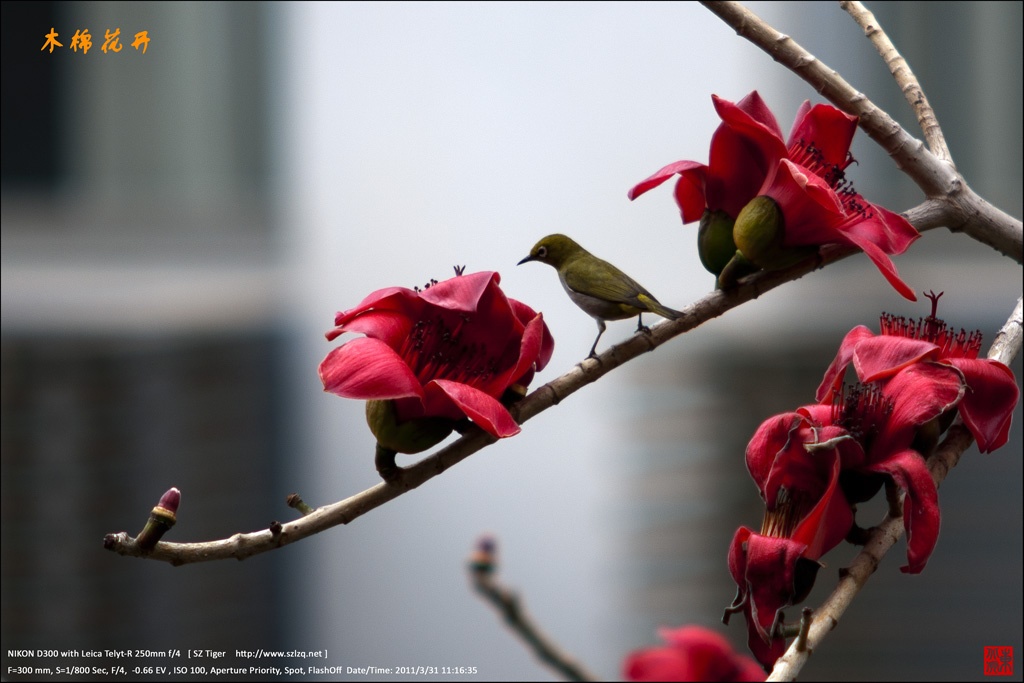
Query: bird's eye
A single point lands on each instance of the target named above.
(542, 252)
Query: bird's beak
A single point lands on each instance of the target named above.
(528, 258)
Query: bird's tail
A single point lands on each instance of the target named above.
(655, 307)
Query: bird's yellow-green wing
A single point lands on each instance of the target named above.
(602, 280)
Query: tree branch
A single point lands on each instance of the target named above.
(243, 545)
(937, 177)
(904, 78)
(882, 538)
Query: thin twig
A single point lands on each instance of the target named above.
(958, 439)
(904, 77)
(965, 211)
(508, 604)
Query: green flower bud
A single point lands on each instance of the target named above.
(161, 519)
(715, 241)
(409, 436)
(759, 232)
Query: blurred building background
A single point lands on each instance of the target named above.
(141, 346)
(179, 227)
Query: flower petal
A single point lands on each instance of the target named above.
(828, 523)
(531, 349)
(920, 506)
(368, 368)
(765, 648)
(880, 357)
(690, 193)
(896, 233)
(391, 327)
(767, 444)
(460, 293)
(811, 209)
(738, 557)
(735, 173)
(833, 379)
(919, 393)
(829, 130)
(771, 578)
(798, 467)
(482, 409)
(751, 118)
(384, 314)
(527, 316)
(884, 264)
(987, 408)
(661, 175)
(390, 298)
(766, 652)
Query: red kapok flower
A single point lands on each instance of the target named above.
(795, 463)
(449, 351)
(744, 148)
(692, 653)
(992, 392)
(823, 209)
(885, 422)
(805, 177)
(810, 465)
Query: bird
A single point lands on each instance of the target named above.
(599, 288)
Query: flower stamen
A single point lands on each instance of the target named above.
(791, 506)
(808, 155)
(934, 330)
(434, 349)
(861, 410)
